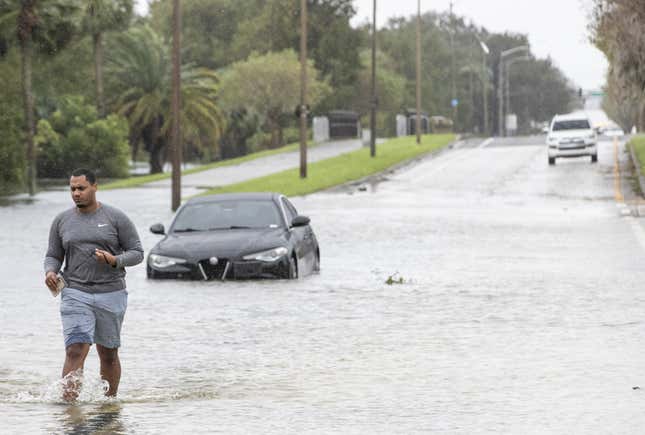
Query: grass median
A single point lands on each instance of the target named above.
(341, 169)
(638, 144)
(143, 179)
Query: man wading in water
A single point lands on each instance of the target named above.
(97, 242)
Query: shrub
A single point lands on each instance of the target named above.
(74, 137)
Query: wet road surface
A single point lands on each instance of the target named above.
(521, 311)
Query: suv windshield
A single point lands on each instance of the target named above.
(574, 124)
(208, 216)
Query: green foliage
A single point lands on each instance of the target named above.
(11, 118)
(638, 144)
(217, 33)
(106, 15)
(267, 85)
(208, 29)
(538, 88)
(75, 137)
(139, 67)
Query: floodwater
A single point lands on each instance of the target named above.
(521, 311)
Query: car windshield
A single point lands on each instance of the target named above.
(225, 215)
(573, 124)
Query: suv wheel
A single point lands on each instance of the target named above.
(594, 158)
(551, 160)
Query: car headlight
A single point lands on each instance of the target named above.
(268, 255)
(551, 141)
(161, 261)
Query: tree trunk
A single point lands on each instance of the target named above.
(28, 98)
(156, 160)
(98, 73)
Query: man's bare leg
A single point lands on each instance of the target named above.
(110, 368)
(75, 355)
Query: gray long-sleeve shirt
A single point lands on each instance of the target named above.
(74, 236)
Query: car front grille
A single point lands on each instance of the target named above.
(214, 271)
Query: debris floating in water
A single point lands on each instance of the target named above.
(394, 279)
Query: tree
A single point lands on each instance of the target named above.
(12, 153)
(390, 88)
(208, 28)
(139, 67)
(45, 26)
(268, 85)
(617, 30)
(103, 16)
(220, 32)
(75, 136)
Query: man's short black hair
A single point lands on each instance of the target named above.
(89, 175)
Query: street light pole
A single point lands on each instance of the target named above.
(176, 103)
(418, 120)
(303, 89)
(500, 83)
(507, 71)
(485, 51)
(374, 100)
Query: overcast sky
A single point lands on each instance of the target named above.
(556, 28)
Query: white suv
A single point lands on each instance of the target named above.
(571, 136)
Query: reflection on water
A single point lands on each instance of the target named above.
(9, 201)
(92, 419)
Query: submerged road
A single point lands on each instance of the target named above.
(521, 311)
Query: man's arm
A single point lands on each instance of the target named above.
(130, 243)
(55, 251)
(54, 256)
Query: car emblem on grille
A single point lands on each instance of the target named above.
(213, 261)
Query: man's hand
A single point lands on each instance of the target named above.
(105, 257)
(50, 280)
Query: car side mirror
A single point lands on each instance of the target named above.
(158, 229)
(300, 221)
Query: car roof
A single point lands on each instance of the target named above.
(571, 116)
(253, 196)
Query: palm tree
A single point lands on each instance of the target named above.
(103, 16)
(139, 65)
(45, 26)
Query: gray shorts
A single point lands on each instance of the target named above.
(93, 317)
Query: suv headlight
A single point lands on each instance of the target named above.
(161, 261)
(268, 255)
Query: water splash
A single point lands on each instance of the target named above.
(93, 390)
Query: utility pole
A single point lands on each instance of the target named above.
(418, 120)
(303, 89)
(500, 98)
(454, 101)
(374, 100)
(486, 51)
(176, 104)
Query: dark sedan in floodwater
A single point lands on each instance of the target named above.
(235, 236)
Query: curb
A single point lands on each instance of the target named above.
(637, 168)
(382, 176)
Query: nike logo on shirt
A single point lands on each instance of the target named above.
(103, 225)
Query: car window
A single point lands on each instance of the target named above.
(226, 214)
(573, 124)
(290, 209)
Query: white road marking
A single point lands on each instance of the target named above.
(487, 142)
